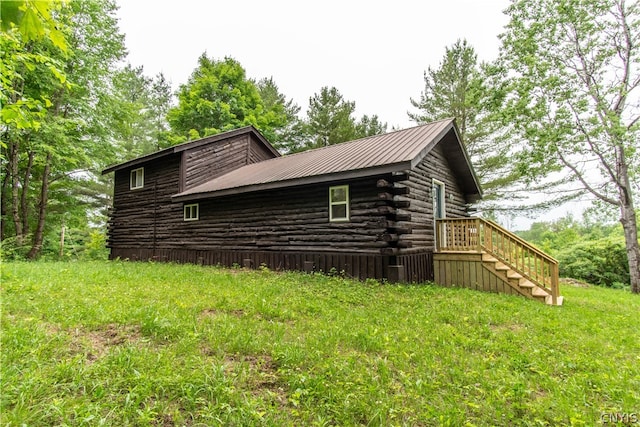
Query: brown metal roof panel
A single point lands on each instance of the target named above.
(371, 152)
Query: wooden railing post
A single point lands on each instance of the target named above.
(478, 225)
(480, 235)
(555, 285)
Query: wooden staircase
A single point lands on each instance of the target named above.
(479, 254)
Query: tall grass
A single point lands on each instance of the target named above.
(115, 343)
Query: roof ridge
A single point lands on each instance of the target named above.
(366, 137)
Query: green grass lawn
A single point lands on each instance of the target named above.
(116, 343)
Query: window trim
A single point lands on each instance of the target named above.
(133, 182)
(190, 208)
(437, 184)
(334, 203)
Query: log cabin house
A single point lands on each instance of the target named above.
(393, 206)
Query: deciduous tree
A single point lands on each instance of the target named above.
(574, 74)
(219, 97)
(61, 136)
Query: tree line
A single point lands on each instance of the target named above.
(558, 112)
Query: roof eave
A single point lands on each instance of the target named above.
(139, 160)
(423, 153)
(465, 153)
(194, 144)
(318, 179)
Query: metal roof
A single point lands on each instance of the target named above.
(394, 151)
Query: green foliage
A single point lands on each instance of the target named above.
(33, 18)
(23, 103)
(467, 90)
(293, 133)
(592, 252)
(57, 131)
(601, 262)
(96, 343)
(454, 89)
(137, 111)
(573, 72)
(369, 126)
(219, 97)
(330, 120)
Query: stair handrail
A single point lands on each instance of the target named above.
(480, 242)
(520, 240)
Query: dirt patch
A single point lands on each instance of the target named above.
(95, 343)
(263, 379)
(172, 416)
(213, 312)
(574, 282)
(209, 312)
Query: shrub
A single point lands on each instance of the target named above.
(601, 262)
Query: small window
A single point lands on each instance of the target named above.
(339, 203)
(191, 212)
(137, 178)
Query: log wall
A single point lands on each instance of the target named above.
(258, 152)
(420, 209)
(295, 219)
(206, 162)
(391, 217)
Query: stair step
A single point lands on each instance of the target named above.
(527, 284)
(503, 271)
(501, 267)
(488, 258)
(539, 292)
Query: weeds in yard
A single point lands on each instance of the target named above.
(117, 343)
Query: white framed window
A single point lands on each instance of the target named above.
(137, 179)
(192, 212)
(339, 203)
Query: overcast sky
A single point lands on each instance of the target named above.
(374, 52)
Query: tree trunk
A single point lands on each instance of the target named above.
(42, 211)
(3, 206)
(15, 192)
(628, 219)
(630, 227)
(25, 190)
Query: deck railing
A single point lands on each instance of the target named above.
(481, 235)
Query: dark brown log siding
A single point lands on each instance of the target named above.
(434, 166)
(206, 162)
(258, 152)
(294, 219)
(139, 215)
(288, 226)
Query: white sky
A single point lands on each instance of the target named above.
(373, 52)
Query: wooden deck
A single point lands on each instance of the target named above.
(479, 254)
